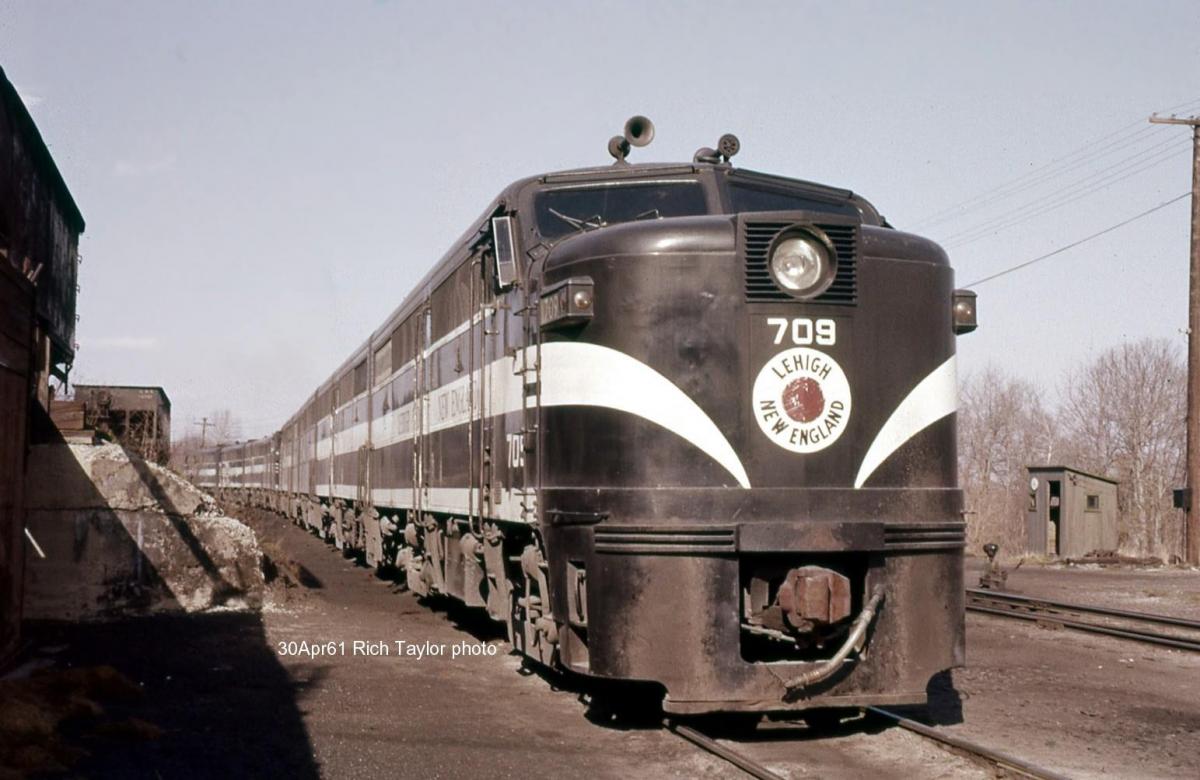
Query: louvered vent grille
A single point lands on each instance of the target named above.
(757, 237)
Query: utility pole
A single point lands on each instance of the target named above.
(1191, 534)
(204, 423)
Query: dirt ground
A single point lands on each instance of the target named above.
(241, 693)
(1164, 590)
(487, 715)
(1086, 705)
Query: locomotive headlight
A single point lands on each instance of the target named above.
(803, 263)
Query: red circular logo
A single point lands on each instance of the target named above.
(803, 400)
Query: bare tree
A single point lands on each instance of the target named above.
(1123, 415)
(1003, 427)
(221, 427)
(225, 427)
(183, 454)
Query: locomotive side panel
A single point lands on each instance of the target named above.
(322, 466)
(394, 418)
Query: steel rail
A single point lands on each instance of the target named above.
(1011, 605)
(1092, 628)
(995, 757)
(1106, 611)
(973, 749)
(747, 765)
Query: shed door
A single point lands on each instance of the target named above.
(1054, 526)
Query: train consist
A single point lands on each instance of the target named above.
(679, 423)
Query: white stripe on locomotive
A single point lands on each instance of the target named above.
(933, 398)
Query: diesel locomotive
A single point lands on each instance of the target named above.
(686, 424)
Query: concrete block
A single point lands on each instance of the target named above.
(121, 534)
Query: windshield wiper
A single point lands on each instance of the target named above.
(651, 214)
(582, 225)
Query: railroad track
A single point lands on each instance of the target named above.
(1138, 626)
(981, 754)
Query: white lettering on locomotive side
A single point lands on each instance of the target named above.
(516, 450)
(802, 400)
(804, 331)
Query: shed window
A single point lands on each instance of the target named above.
(1093, 502)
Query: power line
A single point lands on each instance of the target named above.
(1028, 180)
(1116, 167)
(1070, 194)
(1056, 167)
(1075, 184)
(1074, 244)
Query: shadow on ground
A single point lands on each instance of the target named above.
(945, 702)
(210, 682)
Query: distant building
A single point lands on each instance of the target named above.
(1071, 513)
(137, 418)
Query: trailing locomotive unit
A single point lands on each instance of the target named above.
(687, 424)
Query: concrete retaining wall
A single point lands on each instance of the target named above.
(122, 535)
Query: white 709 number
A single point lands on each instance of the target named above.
(804, 331)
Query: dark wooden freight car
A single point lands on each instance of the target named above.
(39, 233)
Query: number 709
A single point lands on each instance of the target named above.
(804, 331)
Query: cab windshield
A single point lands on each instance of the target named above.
(747, 197)
(562, 212)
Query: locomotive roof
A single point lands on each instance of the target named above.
(511, 193)
(602, 173)
(640, 170)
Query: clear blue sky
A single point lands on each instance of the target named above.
(263, 182)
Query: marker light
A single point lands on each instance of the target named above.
(570, 302)
(966, 317)
(802, 263)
